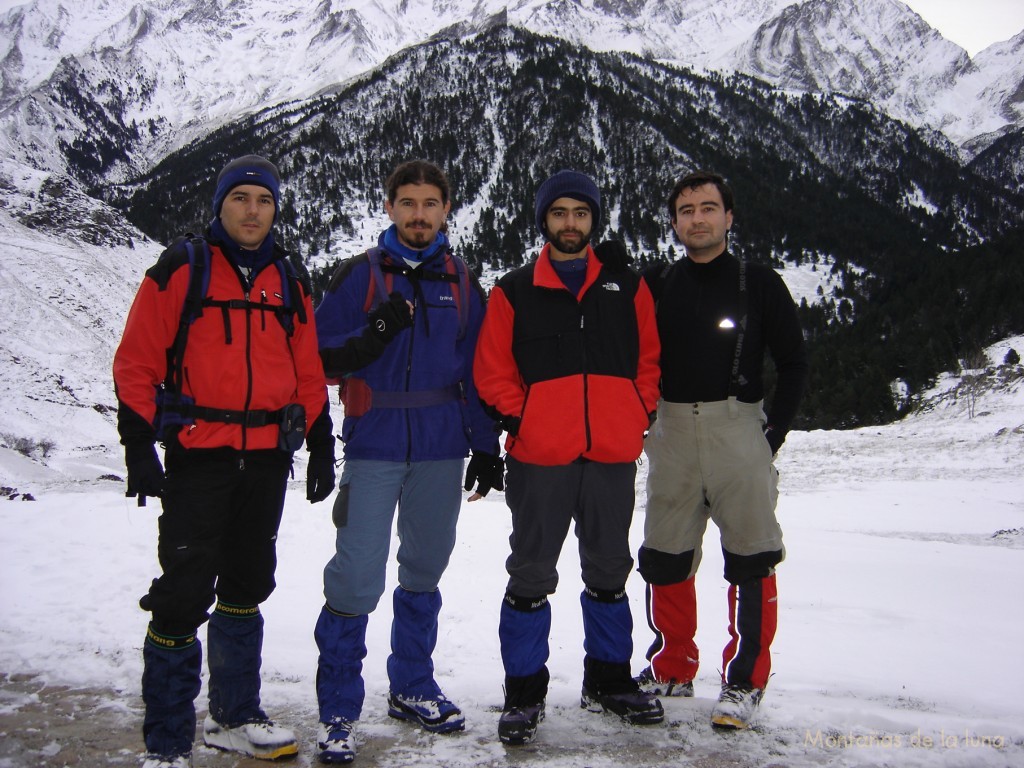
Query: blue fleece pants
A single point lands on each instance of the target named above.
(428, 496)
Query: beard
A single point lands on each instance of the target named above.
(572, 246)
(418, 237)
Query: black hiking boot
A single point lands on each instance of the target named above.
(635, 707)
(518, 725)
(671, 688)
(524, 707)
(609, 687)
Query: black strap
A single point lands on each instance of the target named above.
(192, 307)
(256, 418)
(736, 380)
(419, 274)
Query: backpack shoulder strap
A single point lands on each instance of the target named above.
(198, 254)
(656, 277)
(199, 278)
(292, 304)
(460, 292)
(379, 286)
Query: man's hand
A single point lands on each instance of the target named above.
(319, 475)
(387, 319)
(145, 473)
(774, 438)
(487, 471)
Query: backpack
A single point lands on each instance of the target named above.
(175, 409)
(382, 280)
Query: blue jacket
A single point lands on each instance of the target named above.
(430, 357)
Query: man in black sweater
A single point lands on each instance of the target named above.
(711, 449)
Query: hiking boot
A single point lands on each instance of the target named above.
(736, 706)
(518, 725)
(635, 706)
(672, 688)
(168, 761)
(435, 714)
(260, 739)
(336, 742)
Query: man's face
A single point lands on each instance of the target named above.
(701, 222)
(418, 212)
(248, 214)
(568, 223)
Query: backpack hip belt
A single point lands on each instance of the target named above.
(358, 398)
(255, 418)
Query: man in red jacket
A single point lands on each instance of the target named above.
(568, 361)
(230, 394)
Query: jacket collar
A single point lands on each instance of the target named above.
(545, 276)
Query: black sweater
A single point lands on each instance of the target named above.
(699, 308)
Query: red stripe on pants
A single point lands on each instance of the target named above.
(753, 618)
(672, 614)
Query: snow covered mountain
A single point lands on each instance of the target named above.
(148, 78)
(877, 51)
(886, 54)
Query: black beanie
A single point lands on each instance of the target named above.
(572, 184)
(250, 169)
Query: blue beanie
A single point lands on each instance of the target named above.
(572, 184)
(251, 169)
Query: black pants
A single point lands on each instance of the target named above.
(545, 501)
(218, 534)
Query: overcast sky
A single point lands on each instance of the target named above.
(975, 24)
(971, 24)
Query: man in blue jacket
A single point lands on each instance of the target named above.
(398, 328)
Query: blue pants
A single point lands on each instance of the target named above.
(428, 496)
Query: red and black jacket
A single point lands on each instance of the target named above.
(570, 377)
(237, 359)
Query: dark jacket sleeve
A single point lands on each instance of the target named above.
(785, 341)
(346, 343)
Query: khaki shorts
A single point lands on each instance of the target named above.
(710, 461)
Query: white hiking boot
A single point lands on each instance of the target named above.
(436, 714)
(163, 761)
(736, 706)
(262, 739)
(336, 742)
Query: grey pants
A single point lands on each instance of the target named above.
(710, 460)
(544, 502)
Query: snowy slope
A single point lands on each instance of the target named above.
(66, 306)
(994, 86)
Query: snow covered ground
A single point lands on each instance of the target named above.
(900, 632)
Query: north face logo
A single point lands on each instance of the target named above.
(611, 287)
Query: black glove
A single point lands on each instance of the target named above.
(511, 424)
(487, 470)
(319, 475)
(387, 319)
(612, 253)
(145, 473)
